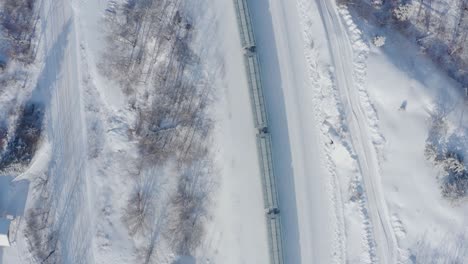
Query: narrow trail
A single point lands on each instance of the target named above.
(342, 58)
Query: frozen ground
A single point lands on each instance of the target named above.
(91, 157)
(349, 162)
(358, 162)
(349, 124)
(238, 233)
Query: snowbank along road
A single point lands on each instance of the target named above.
(340, 49)
(309, 237)
(321, 235)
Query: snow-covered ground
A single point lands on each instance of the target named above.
(358, 166)
(406, 89)
(58, 87)
(349, 122)
(238, 233)
(304, 190)
(87, 143)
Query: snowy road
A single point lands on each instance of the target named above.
(302, 180)
(342, 57)
(59, 86)
(316, 228)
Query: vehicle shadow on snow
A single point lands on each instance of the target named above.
(271, 78)
(25, 140)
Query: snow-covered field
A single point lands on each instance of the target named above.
(88, 145)
(350, 125)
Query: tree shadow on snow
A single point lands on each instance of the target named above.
(23, 144)
(52, 67)
(60, 238)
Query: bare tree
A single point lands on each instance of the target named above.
(18, 20)
(151, 56)
(189, 208)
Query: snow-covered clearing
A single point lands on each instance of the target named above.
(407, 89)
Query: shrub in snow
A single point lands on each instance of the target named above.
(20, 150)
(38, 224)
(454, 164)
(3, 137)
(17, 21)
(140, 209)
(449, 154)
(377, 3)
(188, 208)
(403, 12)
(378, 41)
(455, 184)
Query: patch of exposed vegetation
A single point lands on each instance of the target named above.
(18, 20)
(22, 146)
(21, 122)
(449, 150)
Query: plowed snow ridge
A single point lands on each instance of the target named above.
(340, 49)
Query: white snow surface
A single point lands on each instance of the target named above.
(87, 141)
(353, 182)
(344, 152)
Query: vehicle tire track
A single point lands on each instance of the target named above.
(341, 52)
